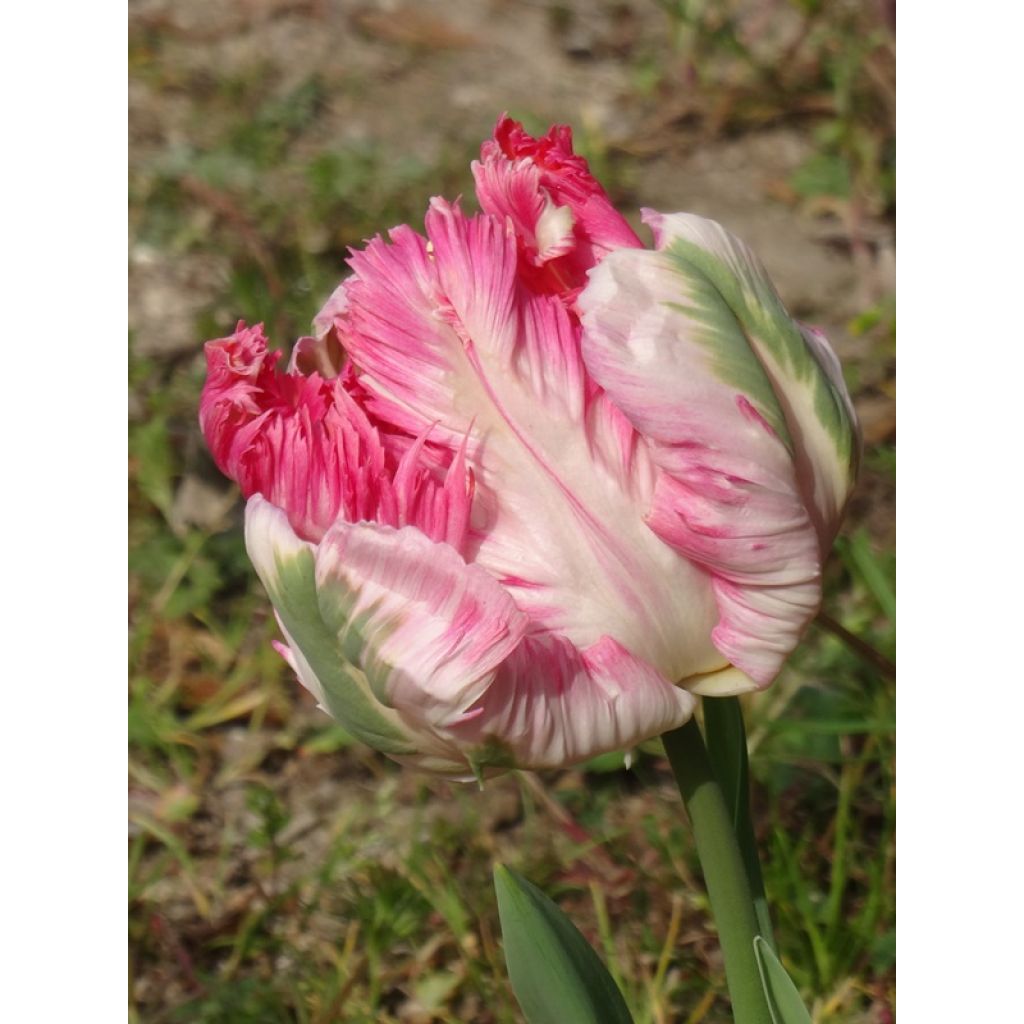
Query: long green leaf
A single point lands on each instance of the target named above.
(784, 1000)
(556, 976)
(726, 741)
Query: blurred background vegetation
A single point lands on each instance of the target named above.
(280, 871)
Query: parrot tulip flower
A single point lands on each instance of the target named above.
(530, 487)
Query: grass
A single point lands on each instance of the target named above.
(279, 871)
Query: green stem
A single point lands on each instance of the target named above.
(724, 872)
(726, 741)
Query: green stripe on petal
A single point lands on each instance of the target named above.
(337, 608)
(730, 355)
(703, 251)
(427, 629)
(287, 568)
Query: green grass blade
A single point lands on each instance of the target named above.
(861, 559)
(555, 974)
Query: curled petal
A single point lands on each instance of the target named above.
(426, 629)
(323, 353)
(803, 370)
(286, 567)
(553, 705)
(323, 322)
(567, 177)
(751, 435)
(513, 190)
(563, 218)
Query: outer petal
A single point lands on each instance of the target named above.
(427, 630)
(552, 705)
(803, 370)
(752, 435)
(425, 657)
(447, 338)
(285, 565)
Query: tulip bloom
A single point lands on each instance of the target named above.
(531, 486)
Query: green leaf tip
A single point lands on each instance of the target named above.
(784, 1002)
(556, 976)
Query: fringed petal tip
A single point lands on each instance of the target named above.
(562, 216)
(307, 440)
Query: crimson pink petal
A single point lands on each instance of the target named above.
(309, 447)
(563, 218)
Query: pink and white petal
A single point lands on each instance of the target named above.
(395, 333)
(803, 371)
(552, 705)
(671, 353)
(426, 629)
(562, 482)
(512, 189)
(566, 177)
(286, 567)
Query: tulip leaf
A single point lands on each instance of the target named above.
(784, 1002)
(726, 741)
(555, 974)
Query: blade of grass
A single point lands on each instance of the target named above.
(859, 647)
(801, 901)
(177, 849)
(857, 554)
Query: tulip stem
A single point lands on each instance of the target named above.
(724, 872)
